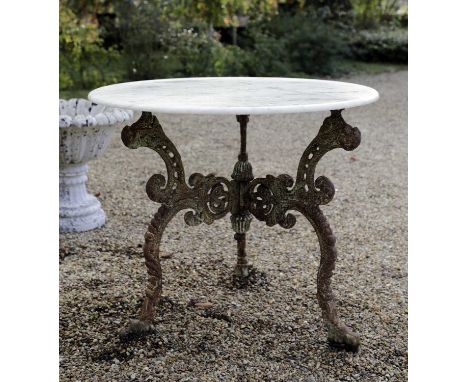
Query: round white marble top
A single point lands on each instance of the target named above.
(234, 95)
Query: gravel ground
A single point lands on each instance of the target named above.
(271, 330)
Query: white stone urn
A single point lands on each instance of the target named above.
(85, 132)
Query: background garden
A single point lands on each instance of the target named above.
(109, 41)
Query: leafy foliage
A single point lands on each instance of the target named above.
(83, 61)
(381, 46)
(371, 14)
(268, 57)
(333, 8)
(145, 39)
(305, 43)
(148, 39)
(154, 47)
(226, 12)
(198, 54)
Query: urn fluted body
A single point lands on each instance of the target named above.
(85, 130)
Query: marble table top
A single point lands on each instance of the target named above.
(234, 95)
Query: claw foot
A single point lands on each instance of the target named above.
(342, 337)
(243, 271)
(136, 329)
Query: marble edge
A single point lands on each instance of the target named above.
(242, 110)
(94, 96)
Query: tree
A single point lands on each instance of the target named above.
(227, 12)
(88, 9)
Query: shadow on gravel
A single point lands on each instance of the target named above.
(256, 279)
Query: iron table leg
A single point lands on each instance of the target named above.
(273, 197)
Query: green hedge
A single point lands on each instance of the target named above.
(296, 43)
(381, 46)
(84, 63)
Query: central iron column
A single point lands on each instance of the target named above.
(241, 217)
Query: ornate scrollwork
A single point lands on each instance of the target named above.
(208, 197)
(270, 200)
(212, 199)
(271, 197)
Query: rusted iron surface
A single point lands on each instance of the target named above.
(269, 199)
(207, 197)
(242, 175)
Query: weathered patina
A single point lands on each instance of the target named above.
(268, 199)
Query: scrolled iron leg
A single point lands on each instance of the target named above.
(339, 335)
(206, 197)
(272, 197)
(153, 291)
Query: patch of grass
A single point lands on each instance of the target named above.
(360, 67)
(78, 93)
(351, 67)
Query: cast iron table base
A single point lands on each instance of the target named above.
(268, 199)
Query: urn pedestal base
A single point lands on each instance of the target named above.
(79, 211)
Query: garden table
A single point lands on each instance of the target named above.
(209, 197)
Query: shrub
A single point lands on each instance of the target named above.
(314, 47)
(84, 63)
(145, 39)
(156, 47)
(331, 8)
(200, 55)
(229, 60)
(300, 42)
(371, 14)
(381, 46)
(267, 56)
(193, 53)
